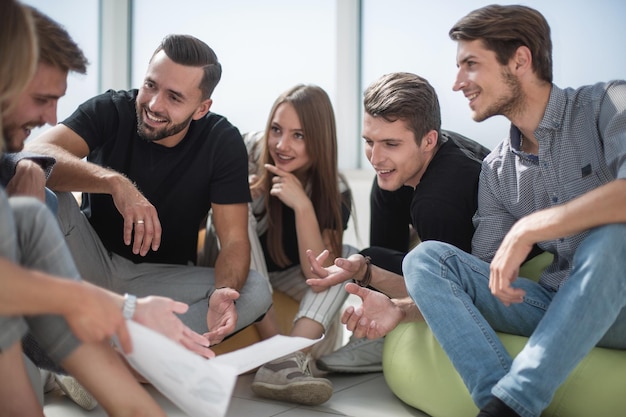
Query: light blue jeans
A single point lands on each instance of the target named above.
(450, 287)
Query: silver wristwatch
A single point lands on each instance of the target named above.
(130, 301)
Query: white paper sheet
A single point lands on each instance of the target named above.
(255, 355)
(200, 387)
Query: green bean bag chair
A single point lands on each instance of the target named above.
(418, 372)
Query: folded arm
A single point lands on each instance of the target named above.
(73, 173)
(601, 206)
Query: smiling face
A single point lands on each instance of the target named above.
(490, 87)
(36, 106)
(286, 142)
(395, 156)
(169, 99)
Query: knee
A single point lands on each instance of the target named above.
(28, 210)
(615, 238)
(425, 263)
(424, 254)
(608, 240)
(259, 287)
(26, 205)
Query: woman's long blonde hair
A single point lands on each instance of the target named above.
(317, 118)
(18, 54)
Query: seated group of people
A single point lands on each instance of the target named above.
(154, 165)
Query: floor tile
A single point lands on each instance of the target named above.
(241, 407)
(371, 398)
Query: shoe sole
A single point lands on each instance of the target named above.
(305, 393)
(343, 369)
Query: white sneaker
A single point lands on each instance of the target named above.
(358, 356)
(76, 392)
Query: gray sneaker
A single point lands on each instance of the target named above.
(358, 356)
(76, 392)
(289, 379)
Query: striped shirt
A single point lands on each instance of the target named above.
(582, 145)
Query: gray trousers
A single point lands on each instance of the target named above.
(29, 236)
(185, 283)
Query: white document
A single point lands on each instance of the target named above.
(200, 387)
(255, 355)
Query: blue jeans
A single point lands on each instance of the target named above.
(450, 287)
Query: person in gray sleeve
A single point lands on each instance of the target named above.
(42, 293)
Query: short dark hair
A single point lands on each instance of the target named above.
(56, 46)
(503, 29)
(408, 97)
(190, 51)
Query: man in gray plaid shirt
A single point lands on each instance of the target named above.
(558, 183)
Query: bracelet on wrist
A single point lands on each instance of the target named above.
(367, 277)
(130, 302)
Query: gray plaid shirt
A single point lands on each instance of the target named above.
(582, 145)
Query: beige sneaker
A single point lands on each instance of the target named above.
(76, 392)
(289, 379)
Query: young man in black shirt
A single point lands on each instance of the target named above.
(426, 186)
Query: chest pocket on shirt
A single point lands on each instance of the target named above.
(582, 184)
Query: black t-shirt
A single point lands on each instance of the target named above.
(290, 237)
(446, 198)
(442, 205)
(390, 217)
(208, 166)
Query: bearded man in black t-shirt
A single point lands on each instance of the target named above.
(157, 161)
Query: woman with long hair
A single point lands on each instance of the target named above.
(300, 202)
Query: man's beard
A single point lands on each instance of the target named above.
(149, 134)
(10, 143)
(507, 105)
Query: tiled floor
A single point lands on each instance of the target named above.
(362, 395)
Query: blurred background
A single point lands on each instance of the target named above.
(267, 46)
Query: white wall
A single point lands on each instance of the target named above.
(80, 19)
(404, 35)
(267, 46)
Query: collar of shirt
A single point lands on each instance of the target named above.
(515, 139)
